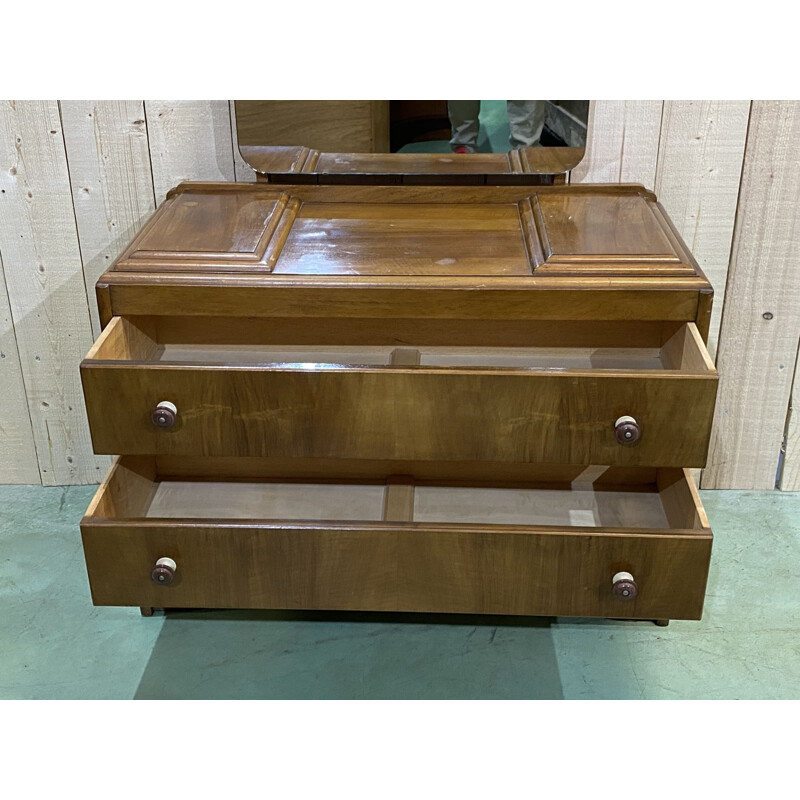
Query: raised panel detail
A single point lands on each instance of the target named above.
(214, 232)
(606, 234)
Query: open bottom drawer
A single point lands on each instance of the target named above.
(397, 543)
(546, 392)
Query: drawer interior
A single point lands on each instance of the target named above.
(241, 499)
(565, 497)
(474, 344)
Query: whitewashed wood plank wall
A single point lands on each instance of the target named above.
(761, 315)
(78, 177)
(46, 290)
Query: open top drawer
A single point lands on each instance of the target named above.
(545, 540)
(559, 392)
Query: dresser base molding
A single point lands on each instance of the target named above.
(393, 543)
(148, 611)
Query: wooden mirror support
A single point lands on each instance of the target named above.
(368, 132)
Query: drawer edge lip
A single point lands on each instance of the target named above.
(694, 491)
(97, 515)
(190, 523)
(92, 361)
(379, 369)
(702, 348)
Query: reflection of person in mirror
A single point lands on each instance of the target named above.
(525, 119)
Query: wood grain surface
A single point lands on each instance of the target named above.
(555, 569)
(282, 164)
(112, 183)
(697, 144)
(388, 568)
(406, 252)
(357, 126)
(622, 142)
(189, 140)
(790, 475)
(46, 290)
(563, 414)
(757, 353)
(397, 231)
(697, 181)
(19, 463)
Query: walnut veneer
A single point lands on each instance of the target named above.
(475, 399)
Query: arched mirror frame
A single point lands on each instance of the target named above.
(298, 164)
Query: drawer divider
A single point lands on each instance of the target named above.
(398, 499)
(405, 357)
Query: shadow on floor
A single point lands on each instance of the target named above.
(337, 655)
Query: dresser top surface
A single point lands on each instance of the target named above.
(475, 236)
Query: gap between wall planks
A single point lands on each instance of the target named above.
(690, 153)
(790, 475)
(756, 355)
(697, 181)
(112, 183)
(18, 463)
(46, 290)
(699, 167)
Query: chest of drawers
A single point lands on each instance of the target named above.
(467, 399)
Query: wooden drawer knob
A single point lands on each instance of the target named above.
(624, 586)
(627, 430)
(164, 414)
(164, 571)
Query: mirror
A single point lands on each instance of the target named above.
(394, 137)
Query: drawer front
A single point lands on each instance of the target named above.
(224, 389)
(381, 568)
(550, 546)
(412, 414)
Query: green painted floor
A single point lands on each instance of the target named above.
(55, 644)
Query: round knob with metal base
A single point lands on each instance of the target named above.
(627, 430)
(164, 414)
(163, 572)
(624, 586)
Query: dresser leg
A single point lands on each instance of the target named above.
(662, 623)
(147, 611)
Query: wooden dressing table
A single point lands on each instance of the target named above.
(437, 398)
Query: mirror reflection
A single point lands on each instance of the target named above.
(413, 126)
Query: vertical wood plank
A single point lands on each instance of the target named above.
(190, 140)
(622, 144)
(18, 462)
(112, 186)
(790, 475)
(242, 170)
(697, 181)
(756, 355)
(46, 291)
